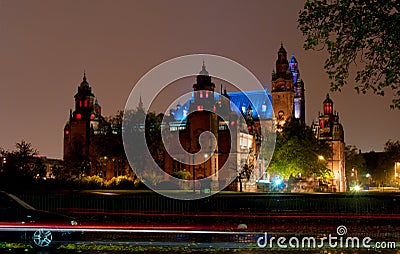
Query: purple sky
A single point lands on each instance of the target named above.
(45, 45)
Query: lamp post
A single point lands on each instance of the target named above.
(3, 162)
(194, 174)
(204, 165)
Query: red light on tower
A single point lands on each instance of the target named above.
(78, 116)
(92, 116)
(66, 132)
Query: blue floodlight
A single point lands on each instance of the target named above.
(278, 182)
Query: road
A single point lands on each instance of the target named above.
(125, 222)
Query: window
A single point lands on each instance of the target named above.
(78, 116)
(264, 108)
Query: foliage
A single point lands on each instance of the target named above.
(392, 148)
(23, 163)
(391, 156)
(75, 165)
(297, 151)
(356, 161)
(362, 33)
(182, 174)
(381, 164)
(97, 182)
(135, 130)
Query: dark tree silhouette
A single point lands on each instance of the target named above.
(364, 34)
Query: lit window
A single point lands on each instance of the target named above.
(201, 94)
(207, 94)
(80, 103)
(264, 108)
(85, 104)
(199, 107)
(78, 116)
(243, 109)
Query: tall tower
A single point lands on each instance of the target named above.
(83, 121)
(299, 93)
(330, 129)
(282, 89)
(202, 120)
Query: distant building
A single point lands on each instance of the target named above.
(242, 138)
(83, 122)
(288, 94)
(329, 128)
(86, 126)
(86, 131)
(288, 100)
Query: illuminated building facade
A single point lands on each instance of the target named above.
(86, 131)
(328, 128)
(242, 140)
(288, 95)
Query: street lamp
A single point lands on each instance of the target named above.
(3, 162)
(396, 167)
(205, 159)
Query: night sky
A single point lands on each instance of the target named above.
(46, 45)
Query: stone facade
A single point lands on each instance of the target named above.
(329, 128)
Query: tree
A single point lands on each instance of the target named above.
(355, 163)
(392, 148)
(391, 157)
(360, 33)
(22, 163)
(297, 151)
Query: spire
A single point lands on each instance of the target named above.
(293, 59)
(282, 64)
(282, 49)
(293, 66)
(84, 76)
(140, 102)
(203, 71)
